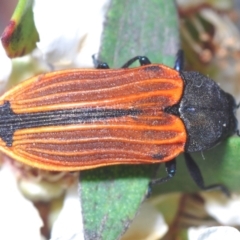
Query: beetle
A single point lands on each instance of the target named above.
(79, 119)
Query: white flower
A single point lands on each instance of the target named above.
(69, 30)
(19, 219)
(213, 233)
(225, 210)
(154, 227)
(69, 224)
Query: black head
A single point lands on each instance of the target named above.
(207, 112)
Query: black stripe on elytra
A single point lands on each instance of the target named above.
(10, 121)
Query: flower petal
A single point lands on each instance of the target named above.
(69, 222)
(69, 27)
(19, 219)
(219, 233)
(224, 210)
(152, 228)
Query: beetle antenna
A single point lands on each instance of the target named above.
(179, 62)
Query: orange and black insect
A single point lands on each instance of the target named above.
(86, 118)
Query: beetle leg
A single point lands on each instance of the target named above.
(142, 60)
(98, 64)
(197, 176)
(170, 169)
(179, 62)
(102, 65)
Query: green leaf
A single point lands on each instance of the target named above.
(218, 165)
(20, 36)
(110, 196)
(147, 28)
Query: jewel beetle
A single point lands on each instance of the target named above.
(79, 119)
